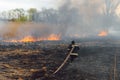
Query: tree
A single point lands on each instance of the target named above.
(4, 13)
(109, 14)
(110, 6)
(31, 12)
(20, 14)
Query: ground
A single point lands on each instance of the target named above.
(96, 61)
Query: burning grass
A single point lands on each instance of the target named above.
(28, 32)
(51, 37)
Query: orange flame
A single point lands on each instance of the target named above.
(32, 39)
(27, 39)
(103, 33)
(51, 37)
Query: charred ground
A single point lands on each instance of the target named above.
(95, 62)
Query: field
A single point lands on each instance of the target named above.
(98, 60)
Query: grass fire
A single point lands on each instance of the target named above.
(59, 40)
(52, 37)
(28, 32)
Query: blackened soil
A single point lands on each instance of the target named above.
(26, 61)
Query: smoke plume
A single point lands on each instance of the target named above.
(74, 18)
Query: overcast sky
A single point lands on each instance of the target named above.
(26, 4)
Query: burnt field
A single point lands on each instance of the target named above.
(25, 61)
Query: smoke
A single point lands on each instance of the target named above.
(92, 16)
(74, 18)
(16, 31)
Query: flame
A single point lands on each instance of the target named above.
(27, 39)
(103, 33)
(33, 39)
(51, 37)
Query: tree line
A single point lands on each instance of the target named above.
(53, 16)
(18, 14)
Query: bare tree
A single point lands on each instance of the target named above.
(110, 6)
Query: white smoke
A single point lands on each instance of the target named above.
(94, 16)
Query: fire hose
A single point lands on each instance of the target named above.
(63, 62)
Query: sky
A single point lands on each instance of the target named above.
(26, 4)
(39, 4)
